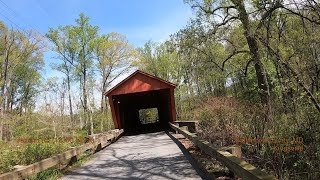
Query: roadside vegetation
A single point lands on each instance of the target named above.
(249, 69)
(244, 69)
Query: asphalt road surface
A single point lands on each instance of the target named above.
(144, 156)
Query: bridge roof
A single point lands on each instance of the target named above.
(139, 81)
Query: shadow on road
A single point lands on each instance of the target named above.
(144, 156)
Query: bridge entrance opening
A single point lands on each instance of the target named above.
(142, 103)
(148, 116)
(144, 111)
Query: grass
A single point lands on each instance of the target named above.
(57, 172)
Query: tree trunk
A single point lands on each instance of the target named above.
(62, 106)
(1, 124)
(4, 87)
(91, 122)
(254, 51)
(102, 105)
(84, 90)
(102, 102)
(80, 119)
(12, 98)
(8, 46)
(234, 87)
(70, 100)
(101, 125)
(54, 127)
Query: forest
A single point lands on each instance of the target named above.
(243, 69)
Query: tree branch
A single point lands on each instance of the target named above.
(233, 54)
(208, 11)
(300, 15)
(295, 74)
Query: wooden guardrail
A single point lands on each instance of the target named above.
(96, 144)
(235, 164)
(192, 125)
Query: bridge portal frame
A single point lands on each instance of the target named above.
(142, 90)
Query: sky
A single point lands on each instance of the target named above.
(138, 20)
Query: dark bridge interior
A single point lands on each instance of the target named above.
(129, 105)
(142, 103)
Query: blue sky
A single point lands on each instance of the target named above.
(138, 20)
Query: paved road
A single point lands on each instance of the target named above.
(144, 156)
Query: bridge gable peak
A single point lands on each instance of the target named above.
(139, 81)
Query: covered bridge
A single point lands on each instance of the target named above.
(141, 96)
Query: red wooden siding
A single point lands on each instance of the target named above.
(137, 83)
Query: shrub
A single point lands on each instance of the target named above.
(219, 120)
(8, 159)
(37, 151)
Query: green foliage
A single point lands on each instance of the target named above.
(103, 122)
(24, 154)
(159, 60)
(87, 58)
(33, 138)
(35, 152)
(8, 159)
(21, 59)
(220, 69)
(148, 115)
(50, 174)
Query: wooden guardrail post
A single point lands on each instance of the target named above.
(113, 134)
(185, 128)
(177, 124)
(73, 160)
(98, 148)
(234, 150)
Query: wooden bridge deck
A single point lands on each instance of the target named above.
(144, 156)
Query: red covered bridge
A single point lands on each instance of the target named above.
(142, 91)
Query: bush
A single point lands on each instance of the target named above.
(28, 154)
(8, 159)
(223, 119)
(35, 152)
(219, 120)
(102, 122)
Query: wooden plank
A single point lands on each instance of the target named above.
(235, 164)
(42, 165)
